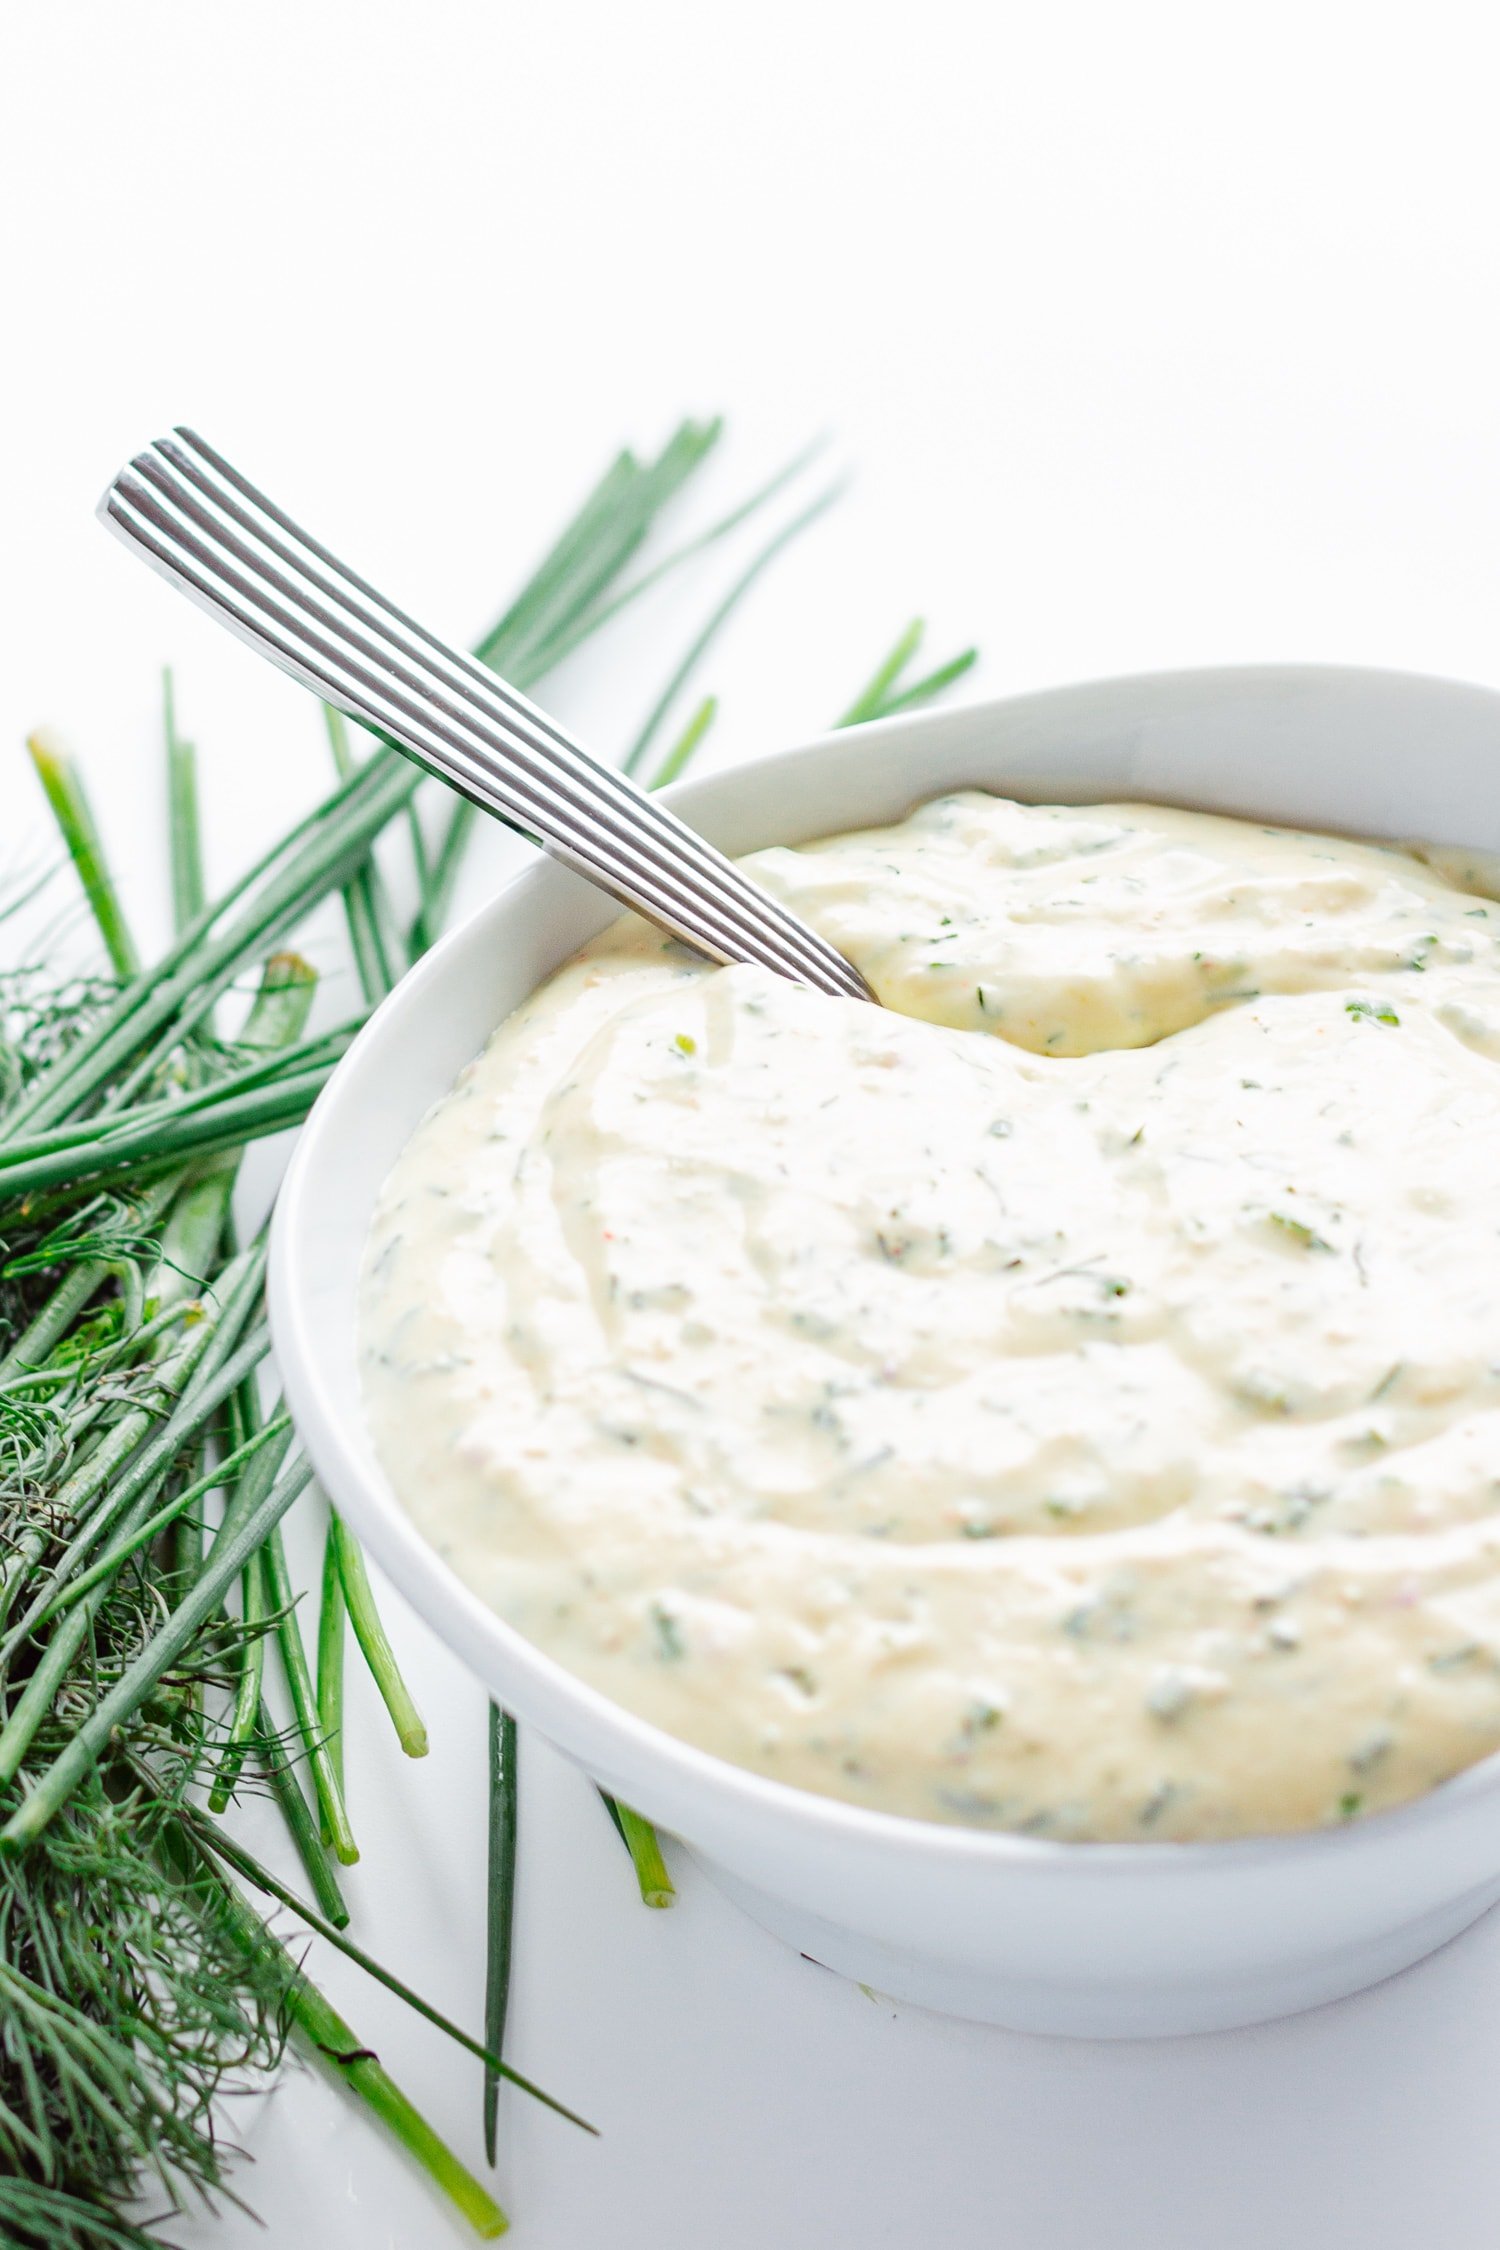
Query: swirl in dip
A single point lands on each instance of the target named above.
(1066, 1399)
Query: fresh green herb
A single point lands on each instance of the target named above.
(183, 830)
(333, 1612)
(636, 754)
(687, 744)
(883, 693)
(296, 1671)
(370, 1633)
(640, 1840)
(1368, 1012)
(500, 1902)
(224, 1847)
(65, 793)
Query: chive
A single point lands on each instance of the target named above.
(685, 747)
(524, 643)
(371, 1636)
(137, 1680)
(560, 564)
(179, 990)
(636, 501)
(882, 695)
(871, 697)
(560, 645)
(182, 1132)
(327, 2036)
(299, 1684)
(718, 619)
(442, 878)
(365, 910)
(226, 1847)
(188, 1527)
(500, 1907)
(250, 1724)
(271, 1757)
(936, 682)
(184, 832)
(247, 1693)
(108, 1132)
(65, 793)
(640, 1840)
(331, 1615)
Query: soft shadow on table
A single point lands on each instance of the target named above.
(836, 2120)
(750, 2100)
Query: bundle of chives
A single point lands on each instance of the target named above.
(134, 1631)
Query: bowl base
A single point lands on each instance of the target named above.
(1088, 2009)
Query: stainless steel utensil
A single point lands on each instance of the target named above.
(201, 524)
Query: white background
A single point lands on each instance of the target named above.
(1155, 334)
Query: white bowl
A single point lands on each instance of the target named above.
(1101, 1939)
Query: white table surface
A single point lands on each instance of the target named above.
(1156, 335)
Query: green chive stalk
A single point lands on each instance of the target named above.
(500, 1900)
(93, 1146)
(561, 643)
(366, 912)
(65, 793)
(244, 1712)
(234, 1855)
(271, 1757)
(333, 1813)
(329, 2038)
(640, 1840)
(332, 1614)
(378, 1654)
(635, 756)
(184, 831)
(885, 693)
(675, 763)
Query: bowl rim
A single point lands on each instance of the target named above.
(409, 1559)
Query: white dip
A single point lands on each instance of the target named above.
(1065, 1399)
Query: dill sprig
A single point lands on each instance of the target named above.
(126, 2005)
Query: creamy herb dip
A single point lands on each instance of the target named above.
(1064, 1400)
